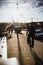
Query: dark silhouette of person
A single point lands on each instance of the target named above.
(31, 34)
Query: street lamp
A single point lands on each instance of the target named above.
(21, 16)
(31, 19)
(17, 13)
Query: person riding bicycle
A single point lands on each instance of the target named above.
(31, 34)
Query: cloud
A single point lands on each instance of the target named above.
(6, 2)
(34, 3)
(40, 3)
(2, 2)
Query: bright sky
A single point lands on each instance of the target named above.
(24, 13)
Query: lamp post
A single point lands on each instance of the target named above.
(31, 19)
(21, 16)
(17, 13)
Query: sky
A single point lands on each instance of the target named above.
(23, 12)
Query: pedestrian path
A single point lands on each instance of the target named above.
(9, 61)
(3, 54)
(18, 47)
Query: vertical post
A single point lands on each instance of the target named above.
(17, 13)
(21, 16)
(31, 19)
(12, 19)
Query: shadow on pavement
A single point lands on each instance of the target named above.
(21, 33)
(37, 60)
(9, 37)
(20, 54)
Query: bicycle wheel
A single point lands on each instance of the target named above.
(30, 43)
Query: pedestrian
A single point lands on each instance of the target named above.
(31, 34)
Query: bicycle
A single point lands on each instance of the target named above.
(29, 41)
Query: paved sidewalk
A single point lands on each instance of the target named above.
(17, 47)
